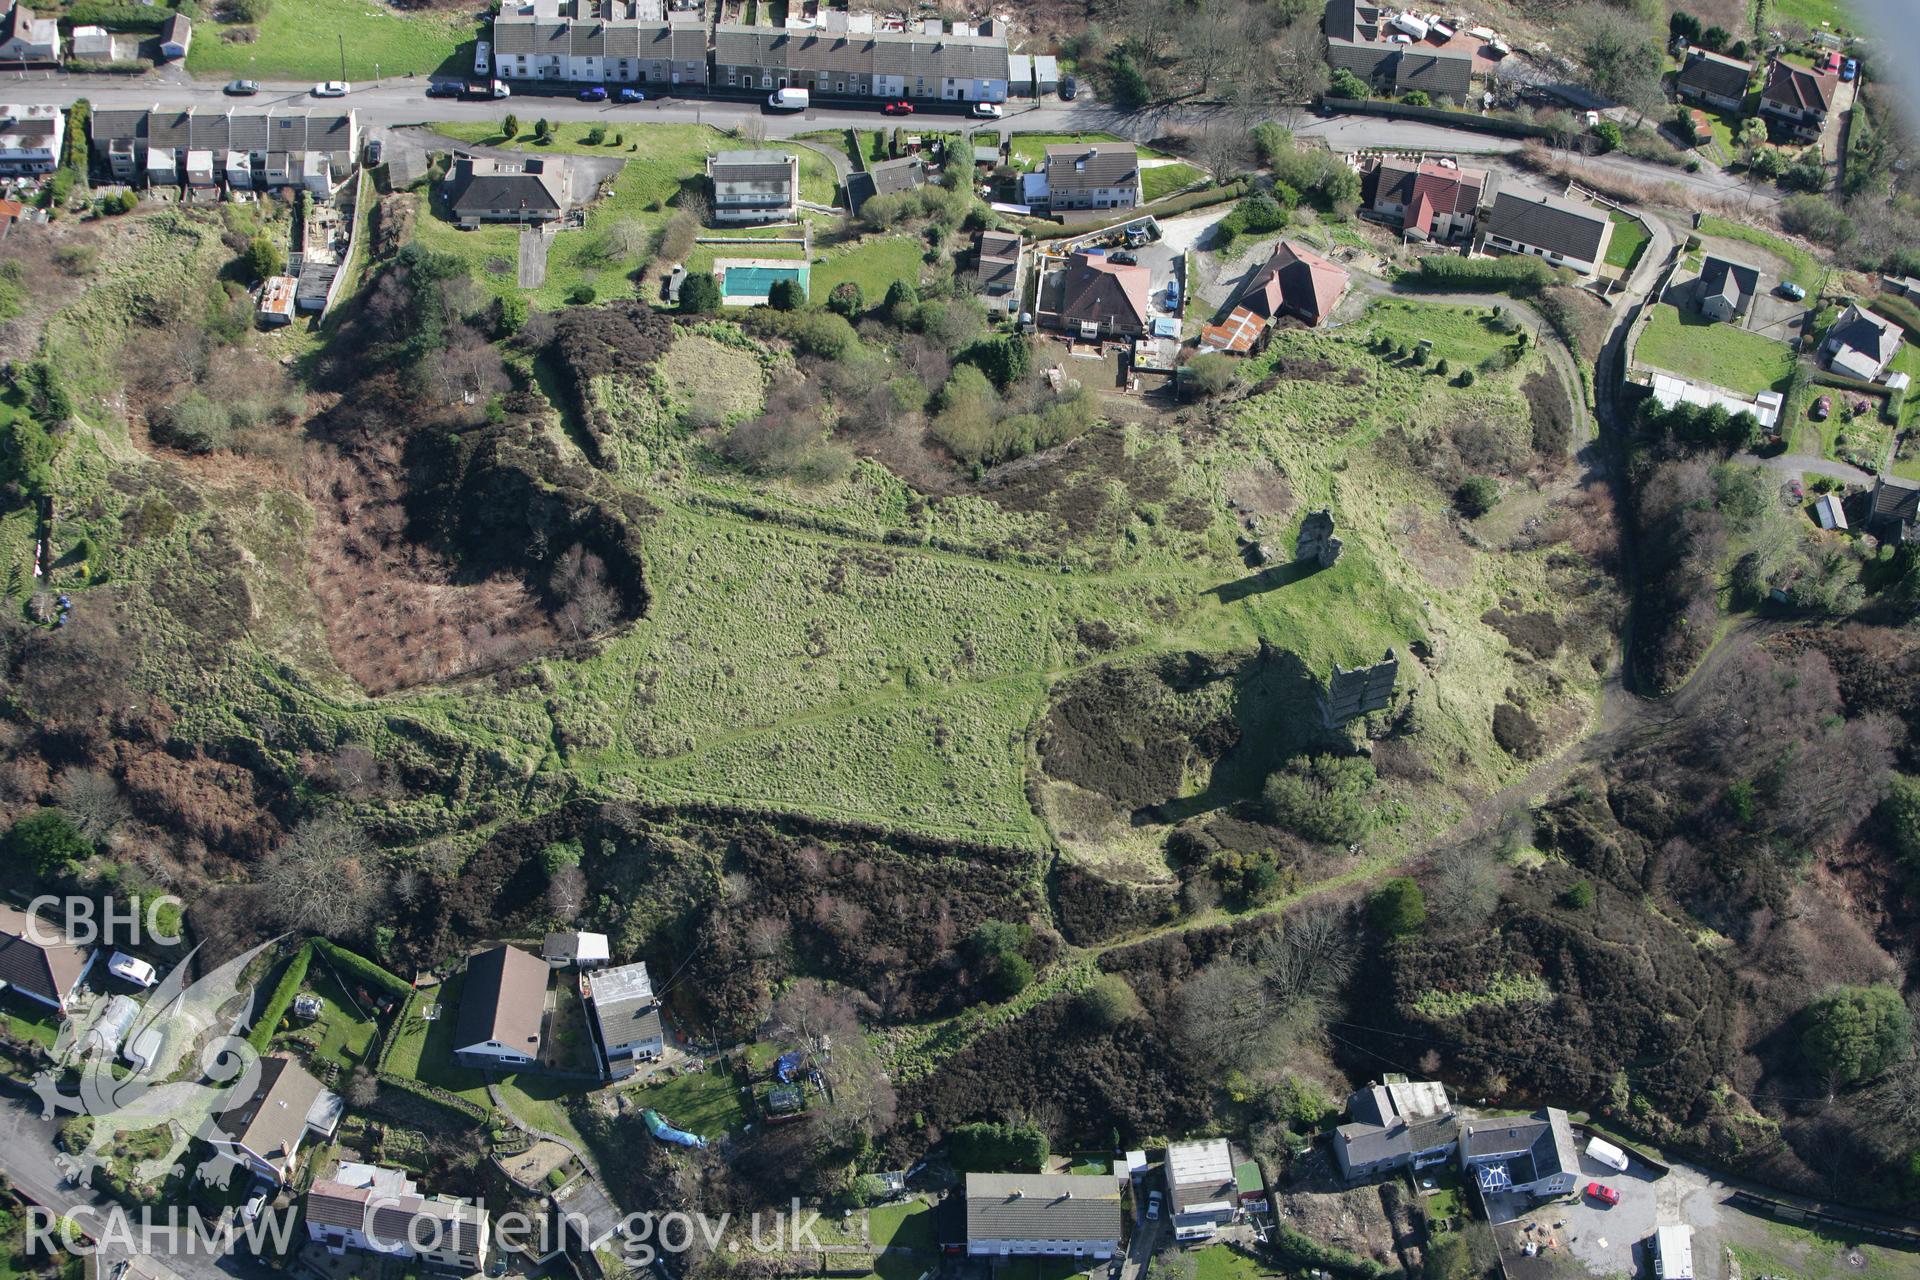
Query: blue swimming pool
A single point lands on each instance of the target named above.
(756, 282)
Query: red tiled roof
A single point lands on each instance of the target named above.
(1797, 87)
(1420, 213)
(1098, 290)
(1299, 280)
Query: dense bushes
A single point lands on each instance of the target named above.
(1397, 908)
(44, 843)
(262, 1031)
(1854, 1033)
(353, 965)
(1324, 798)
(987, 1147)
(1260, 214)
(1516, 274)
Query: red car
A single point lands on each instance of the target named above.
(1821, 408)
(898, 108)
(1603, 1193)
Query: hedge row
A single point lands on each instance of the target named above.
(261, 1035)
(1899, 310)
(362, 968)
(1510, 273)
(1888, 399)
(1160, 209)
(119, 17)
(434, 1093)
(1501, 125)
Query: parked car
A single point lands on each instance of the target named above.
(987, 110)
(1796, 490)
(631, 95)
(1603, 1193)
(241, 88)
(1068, 88)
(898, 108)
(332, 89)
(593, 93)
(1153, 1207)
(443, 89)
(373, 151)
(1849, 69)
(1121, 258)
(1790, 291)
(1821, 408)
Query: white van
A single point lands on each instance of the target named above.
(788, 100)
(482, 58)
(1607, 1154)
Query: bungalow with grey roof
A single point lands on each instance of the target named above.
(1713, 79)
(1726, 288)
(1561, 231)
(754, 186)
(1862, 343)
(486, 189)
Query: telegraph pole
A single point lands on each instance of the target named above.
(342, 38)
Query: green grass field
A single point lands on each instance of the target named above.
(302, 40)
(345, 1035)
(29, 1020)
(874, 264)
(540, 1102)
(704, 1102)
(1811, 14)
(424, 1050)
(1630, 236)
(1029, 149)
(1165, 179)
(1688, 344)
(617, 238)
(1803, 269)
(1224, 1262)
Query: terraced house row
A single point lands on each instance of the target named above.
(641, 42)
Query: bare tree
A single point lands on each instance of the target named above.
(1235, 1011)
(1465, 887)
(326, 879)
(580, 580)
(94, 801)
(566, 893)
(362, 1088)
(1297, 69)
(860, 1098)
(1224, 151)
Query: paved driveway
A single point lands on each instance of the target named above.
(1604, 1239)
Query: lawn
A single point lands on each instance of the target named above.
(424, 1050)
(1811, 14)
(1688, 344)
(344, 1035)
(873, 264)
(300, 40)
(1165, 179)
(1224, 1262)
(1029, 149)
(28, 1020)
(539, 1102)
(1630, 236)
(908, 1225)
(616, 240)
(1803, 269)
(704, 1102)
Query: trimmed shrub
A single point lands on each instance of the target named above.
(261, 1034)
(358, 966)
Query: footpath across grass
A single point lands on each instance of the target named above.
(302, 40)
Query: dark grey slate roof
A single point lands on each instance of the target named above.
(1042, 1206)
(1346, 19)
(1895, 500)
(1549, 222)
(1368, 59)
(1711, 73)
(1089, 166)
(1440, 74)
(1723, 277)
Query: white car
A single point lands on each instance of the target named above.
(332, 89)
(987, 110)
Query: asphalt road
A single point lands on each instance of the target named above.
(27, 1162)
(393, 102)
